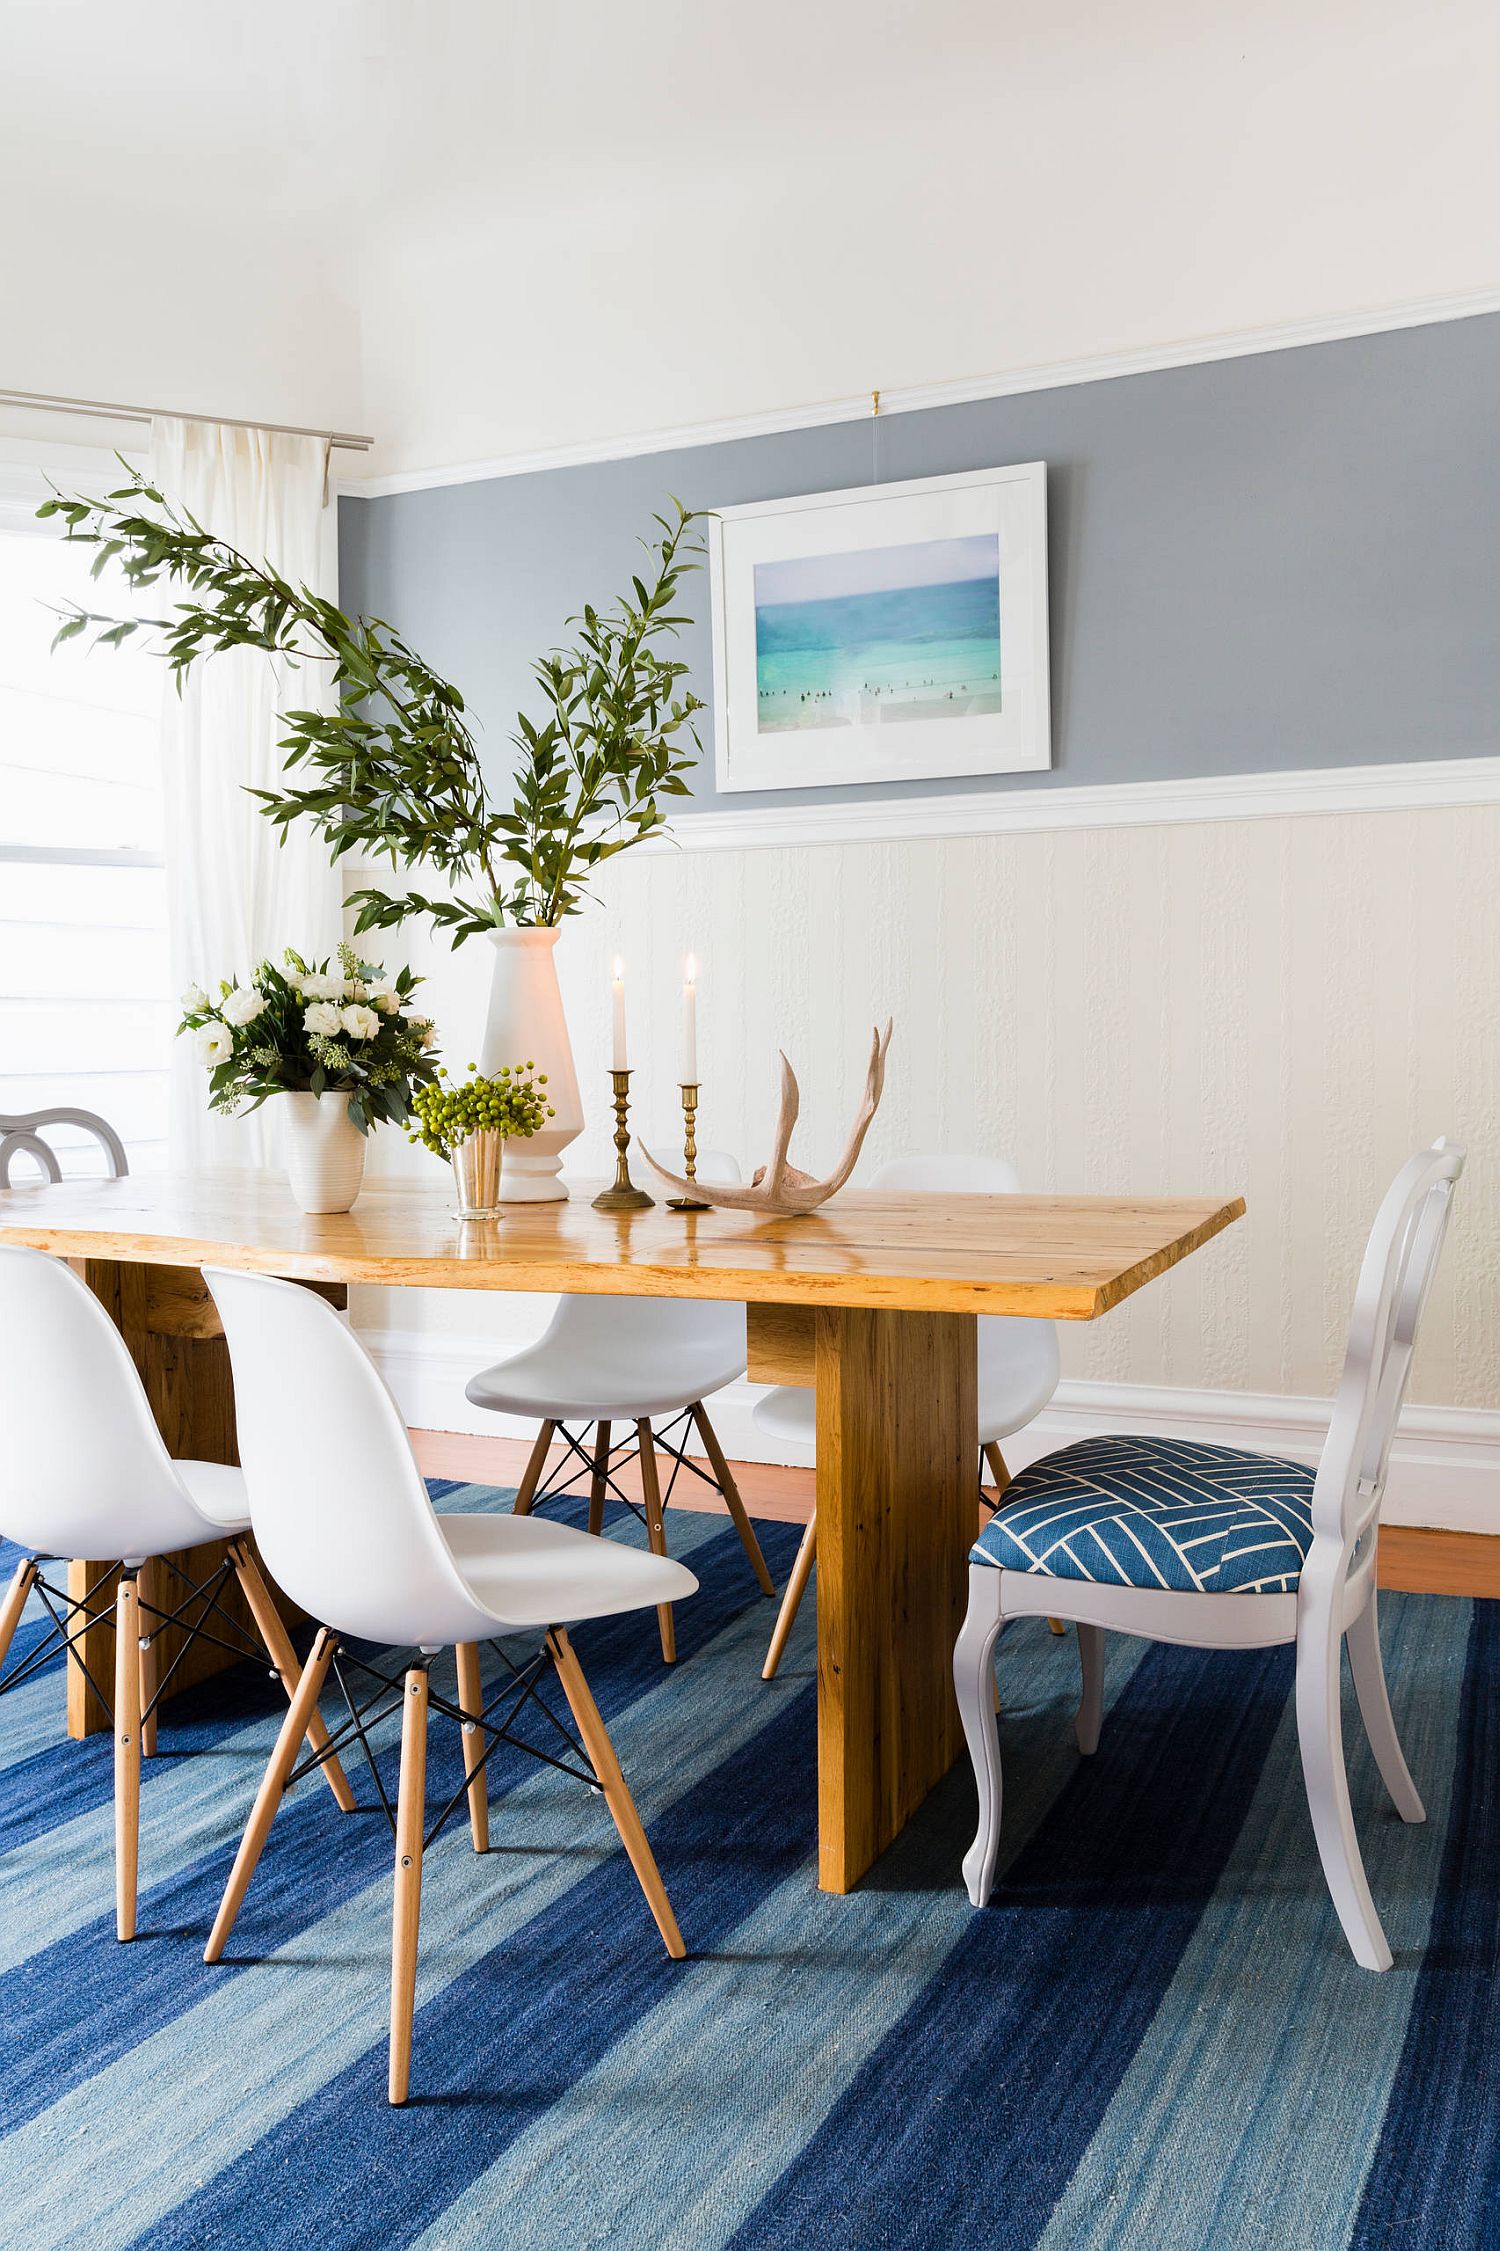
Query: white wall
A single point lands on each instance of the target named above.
(479, 230)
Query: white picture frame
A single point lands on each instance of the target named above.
(829, 609)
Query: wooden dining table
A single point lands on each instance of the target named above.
(873, 1300)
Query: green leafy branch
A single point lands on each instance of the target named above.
(394, 771)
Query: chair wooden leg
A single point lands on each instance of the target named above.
(272, 1630)
(1091, 1703)
(22, 1579)
(656, 1532)
(272, 1790)
(1363, 1643)
(1320, 1740)
(732, 1501)
(791, 1601)
(526, 1491)
(150, 1589)
(411, 1821)
(596, 1481)
(471, 1700)
(974, 1681)
(127, 1751)
(616, 1791)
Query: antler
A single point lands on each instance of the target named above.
(778, 1187)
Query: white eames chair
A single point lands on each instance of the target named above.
(603, 1361)
(1218, 1549)
(345, 1524)
(1018, 1365)
(84, 1472)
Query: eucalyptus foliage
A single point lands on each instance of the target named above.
(394, 770)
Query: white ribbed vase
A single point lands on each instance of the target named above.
(526, 1025)
(323, 1150)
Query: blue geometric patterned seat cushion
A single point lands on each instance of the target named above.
(1156, 1512)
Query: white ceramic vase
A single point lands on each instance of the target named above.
(526, 1025)
(324, 1151)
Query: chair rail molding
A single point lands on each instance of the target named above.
(1445, 1464)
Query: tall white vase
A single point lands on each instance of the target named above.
(323, 1150)
(526, 1025)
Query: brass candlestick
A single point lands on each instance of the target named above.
(624, 1195)
(689, 1150)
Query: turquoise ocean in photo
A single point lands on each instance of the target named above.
(871, 637)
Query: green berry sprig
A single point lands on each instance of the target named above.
(512, 1104)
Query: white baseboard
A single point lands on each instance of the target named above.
(1445, 1465)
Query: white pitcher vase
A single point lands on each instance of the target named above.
(526, 1025)
(323, 1150)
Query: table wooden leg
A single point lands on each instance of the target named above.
(897, 1409)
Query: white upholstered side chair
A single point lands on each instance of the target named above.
(345, 1523)
(603, 1361)
(84, 1473)
(1220, 1549)
(1018, 1365)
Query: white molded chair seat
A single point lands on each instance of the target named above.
(84, 1474)
(1017, 1364)
(1215, 1548)
(608, 1360)
(343, 1517)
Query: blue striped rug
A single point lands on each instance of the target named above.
(1154, 2038)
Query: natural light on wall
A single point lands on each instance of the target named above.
(85, 1011)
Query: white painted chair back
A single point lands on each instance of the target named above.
(83, 1470)
(634, 1338)
(337, 1503)
(1394, 1280)
(22, 1133)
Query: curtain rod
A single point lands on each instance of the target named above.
(346, 440)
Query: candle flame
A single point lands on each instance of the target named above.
(619, 969)
(690, 969)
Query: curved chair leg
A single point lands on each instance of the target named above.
(526, 1491)
(616, 1791)
(656, 1532)
(1363, 1639)
(127, 1751)
(272, 1790)
(791, 1601)
(471, 1699)
(1320, 1740)
(732, 1501)
(1091, 1704)
(411, 1823)
(271, 1627)
(973, 1680)
(22, 1580)
(596, 1482)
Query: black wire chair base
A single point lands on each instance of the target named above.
(515, 1693)
(73, 1618)
(563, 1481)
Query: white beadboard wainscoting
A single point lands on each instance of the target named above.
(1283, 1006)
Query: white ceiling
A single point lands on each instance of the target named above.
(475, 227)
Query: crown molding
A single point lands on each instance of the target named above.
(913, 398)
(1412, 785)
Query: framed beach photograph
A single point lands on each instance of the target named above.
(890, 633)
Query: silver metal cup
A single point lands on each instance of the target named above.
(476, 1174)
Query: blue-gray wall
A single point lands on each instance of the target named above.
(1280, 561)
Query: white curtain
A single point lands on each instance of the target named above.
(235, 894)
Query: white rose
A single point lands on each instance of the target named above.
(361, 1023)
(429, 1037)
(194, 999)
(323, 988)
(243, 1005)
(215, 1045)
(385, 997)
(323, 1017)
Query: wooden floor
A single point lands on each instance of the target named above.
(1416, 1559)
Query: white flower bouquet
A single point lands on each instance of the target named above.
(319, 1028)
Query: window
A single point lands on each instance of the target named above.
(86, 1016)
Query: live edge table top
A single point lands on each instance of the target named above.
(1062, 1258)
